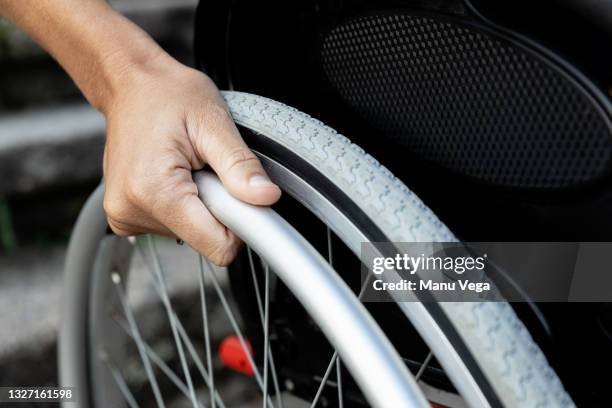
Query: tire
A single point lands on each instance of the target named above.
(491, 341)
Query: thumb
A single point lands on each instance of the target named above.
(240, 171)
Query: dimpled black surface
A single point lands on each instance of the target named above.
(468, 101)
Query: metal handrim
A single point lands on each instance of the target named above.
(349, 234)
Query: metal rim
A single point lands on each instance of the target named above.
(315, 284)
(295, 261)
(352, 236)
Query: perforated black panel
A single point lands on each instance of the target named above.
(468, 101)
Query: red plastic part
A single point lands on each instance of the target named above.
(234, 357)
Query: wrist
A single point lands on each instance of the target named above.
(128, 68)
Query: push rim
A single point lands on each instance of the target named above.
(337, 221)
(392, 383)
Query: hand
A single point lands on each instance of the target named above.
(163, 123)
(164, 120)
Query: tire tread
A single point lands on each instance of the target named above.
(501, 344)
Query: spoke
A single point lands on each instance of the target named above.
(334, 357)
(279, 398)
(120, 381)
(339, 382)
(159, 362)
(423, 366)
(236, 329)
(330, 254)
(330, 259)
(137, 339)
(198, 362)
(194, 355)
(266, 330)
(169, 311)
(211, 382)
(328, 371)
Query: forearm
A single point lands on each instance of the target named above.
(99, 48)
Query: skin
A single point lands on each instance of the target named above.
(164, 120)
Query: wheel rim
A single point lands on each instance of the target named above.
(346, 231)
(393, 384)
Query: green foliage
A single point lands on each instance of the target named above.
(14, 43)
(4, 29)
(4, 35)
(8, 241)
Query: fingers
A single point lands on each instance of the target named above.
(157, 134)
(125, 229)
(172, 209)
(194, 224)
(220, 145)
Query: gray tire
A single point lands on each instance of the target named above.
(505, 352)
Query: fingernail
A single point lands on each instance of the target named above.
(260, 181)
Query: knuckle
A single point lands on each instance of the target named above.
(211, 117)
(113, 207)
(222, 253)
(117, 230)
(170, 203)
(239, 156)
(216, 113)
(136, 193)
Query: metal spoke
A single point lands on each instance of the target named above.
(266, 330)
(279, 398)
(328, 371)
(211, 383)
(237, 330)
(198, 362)
(125, 390)
(423, 366)
(159, 362)
(168, 306)
(335, 357)
(330, 254)
(330, 259)
(339, 383)
(194, 355)
(116, 279)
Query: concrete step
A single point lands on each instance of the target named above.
(159, 18)
(49, 137)
(50, 147)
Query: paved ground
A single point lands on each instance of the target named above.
(49, 136)
(30, 286)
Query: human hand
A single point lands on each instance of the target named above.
(163, 123)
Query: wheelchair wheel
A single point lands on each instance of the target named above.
(289, 320)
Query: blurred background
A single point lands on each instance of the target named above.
(51, 145)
